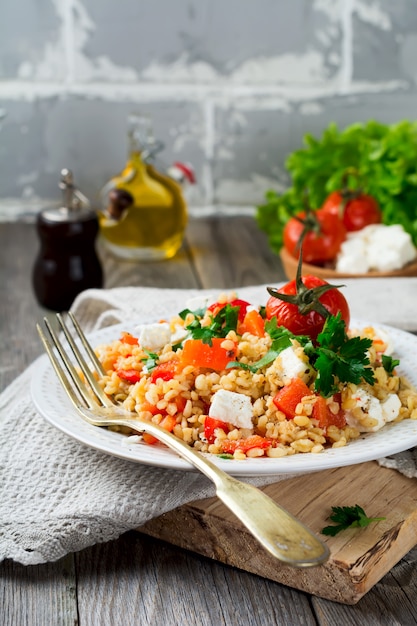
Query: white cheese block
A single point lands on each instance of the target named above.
(377, 247)
(390, 248)
(290, 363)
(199, 302)
(382, 412)
(154, 337)
(352, 258)
(178, 334)
(232, 407)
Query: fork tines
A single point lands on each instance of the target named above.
(90, 395)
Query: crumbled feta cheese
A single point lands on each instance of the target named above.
(387, 340)
(390, 248)
(199, 302)
(290, 363)
(391, 407)
(132, 439)
(376, 247)
(352, 258)
(178, 334)
(232, 407)
(381, 412)
(154, 337)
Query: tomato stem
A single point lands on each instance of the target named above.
(305, 299)
(310, 224)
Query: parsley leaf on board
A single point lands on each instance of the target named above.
(348, 517)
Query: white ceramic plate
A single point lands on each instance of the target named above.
(52, 402)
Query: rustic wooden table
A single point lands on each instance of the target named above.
(137, 580)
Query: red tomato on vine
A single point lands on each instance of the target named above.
(355, 208)
(303, 304)
(321, 233)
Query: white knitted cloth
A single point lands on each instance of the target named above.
(59, 496)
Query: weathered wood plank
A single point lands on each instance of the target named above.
(38, 595)
(229, 252)
(217, 252)
(176, 273)
(161, 585)
(18, 306)
(390, 603)
(359, 558)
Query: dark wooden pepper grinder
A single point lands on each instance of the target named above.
(67, 262)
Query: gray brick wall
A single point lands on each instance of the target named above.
(232, 86)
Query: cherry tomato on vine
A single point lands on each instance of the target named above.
(311, 321)
(354, 208)
(324, 234)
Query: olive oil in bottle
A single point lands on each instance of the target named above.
(150, 226)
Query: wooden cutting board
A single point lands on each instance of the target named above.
(359, 557)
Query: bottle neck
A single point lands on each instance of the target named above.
(135, 165)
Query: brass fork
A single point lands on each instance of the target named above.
(279, 532)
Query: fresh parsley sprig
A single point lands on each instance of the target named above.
(219, 326)
(338, 358)
(348, 517)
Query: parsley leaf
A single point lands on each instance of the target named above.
(348, 517)
(389, 364)
(225, 321)
(338, 358)
(276, 332)
(151, 361)
(277, 346)
(197, 313)
(281, 339)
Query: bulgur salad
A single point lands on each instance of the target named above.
(231, 382)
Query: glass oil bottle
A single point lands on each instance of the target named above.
(145, 213)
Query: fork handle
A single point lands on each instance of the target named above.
(283, 535)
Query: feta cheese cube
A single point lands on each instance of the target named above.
(131, 440)
(352, 257)
(381, 412)
(390, 248)
(199, 302)
(178, 334)
(387, 340)
(391, 407)
(376, 247)
(232, 407)
(290, 363)
(154, 337)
